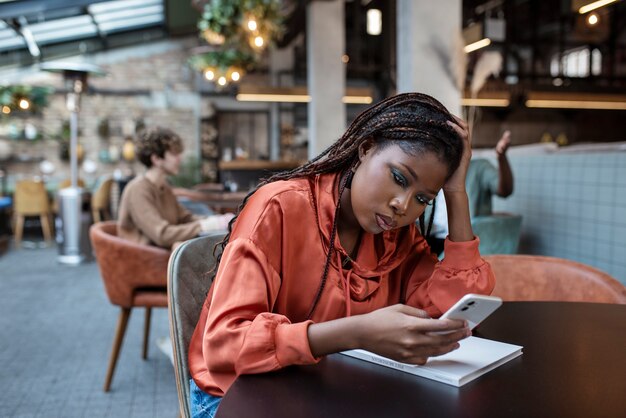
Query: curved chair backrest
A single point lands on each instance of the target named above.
(101, 200)
(188, 282)
(126, 266)
(31, 198)
(540, 278)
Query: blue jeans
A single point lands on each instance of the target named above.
(201, 403)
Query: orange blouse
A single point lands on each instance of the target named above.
(254, 318)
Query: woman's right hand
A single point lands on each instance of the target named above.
(407, 334)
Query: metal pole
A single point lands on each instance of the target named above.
(74, 147)
(73, 223)
(70, 199)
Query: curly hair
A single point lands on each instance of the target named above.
(156, 141)
(415, 122)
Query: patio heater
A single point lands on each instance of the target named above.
(72, 234)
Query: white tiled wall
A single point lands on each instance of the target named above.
(573, 206)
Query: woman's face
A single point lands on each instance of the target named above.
(390, 188)
(170, 163)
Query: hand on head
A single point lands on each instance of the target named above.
(456, 182)
(504, 143)
(408, 335)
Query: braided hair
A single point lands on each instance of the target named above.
(415, 122)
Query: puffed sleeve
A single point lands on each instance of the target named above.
(241, 335)
(435, 286)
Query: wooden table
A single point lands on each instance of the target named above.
(574, 365)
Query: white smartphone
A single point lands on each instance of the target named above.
(473, 308)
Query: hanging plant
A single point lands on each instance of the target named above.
(228, 21)
(239, 30)
(22, 98)
(223, 59)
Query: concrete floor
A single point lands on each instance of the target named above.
(56, 332)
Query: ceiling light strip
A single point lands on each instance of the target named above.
(595, 5)
(576, 104)
(357, 99)
(485, 102)
(285, 98)
(296, 98)
(476, 45)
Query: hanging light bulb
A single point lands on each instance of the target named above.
(209, 74)
(252, 26)
(6, 110)
(258, 41)
(24, 104)
(221, 81)
(235, 76)
(593, 19)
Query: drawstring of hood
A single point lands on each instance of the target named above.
(381, 253)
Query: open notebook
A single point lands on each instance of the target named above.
(475, 357)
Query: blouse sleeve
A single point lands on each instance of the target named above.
(241, 334)
(435, 286)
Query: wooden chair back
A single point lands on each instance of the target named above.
(101, 201)
(31, 198)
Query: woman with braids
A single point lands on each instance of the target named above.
(327, 257)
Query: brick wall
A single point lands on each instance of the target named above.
(151, 82)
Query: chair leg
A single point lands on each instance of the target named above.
(146, 333)
(19, 229)
(45, 227)
(122, 322)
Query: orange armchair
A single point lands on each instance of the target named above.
(134, 275)
(540, 278)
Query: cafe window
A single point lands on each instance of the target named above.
(580, 62)
(244, 135)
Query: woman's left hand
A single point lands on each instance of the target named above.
(456, 183)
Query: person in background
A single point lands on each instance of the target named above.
(327, 257)
(483, 181)
(149, 212)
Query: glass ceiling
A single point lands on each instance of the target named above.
(76, 21)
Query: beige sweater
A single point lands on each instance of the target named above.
(150, 214)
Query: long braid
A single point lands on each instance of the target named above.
(415, 122)
(331, 248)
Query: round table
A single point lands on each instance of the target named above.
(573, 365)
